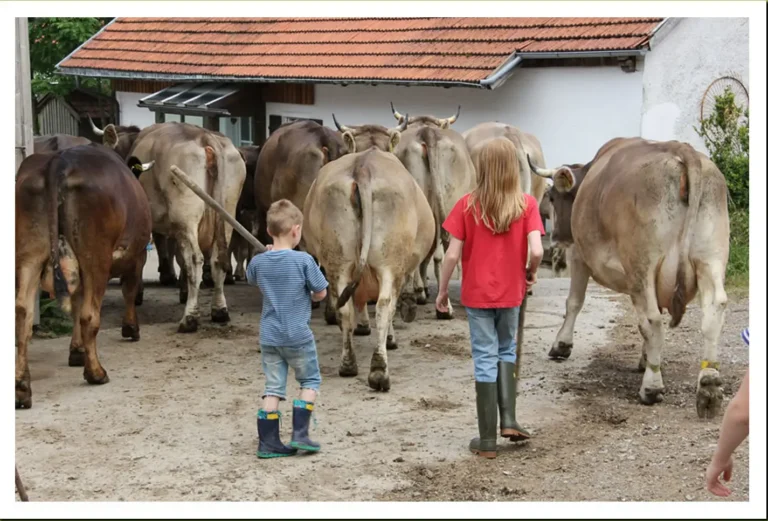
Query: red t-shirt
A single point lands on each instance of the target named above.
(493, 266)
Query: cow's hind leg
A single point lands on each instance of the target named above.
(166, 251)
(193, 273)
(564, 340)
(651, 327)
(391, 340)
(27, 280)
(713, 301)
(76, 345)
(378, 378)
(421, 283)
(94, 284)
(330, 301)
(346, 314)
(219, 312)
(131, 285)
(363, 327)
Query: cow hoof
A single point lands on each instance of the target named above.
(139, 300)
(651, 396)
(443, 315)
(421, 301)
(378, 380)
(561, 351)
(362, 330)
(77, 357)
(183, 297)
(132, 332)
(315, 305)
(391, 344)
(168, 280)
(220, 316)
(709, 396)
(188, 324)
(408, 309)
(23, 395)
(229, 280)
(348, 370)
(96, 380)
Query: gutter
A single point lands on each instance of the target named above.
(500, 75)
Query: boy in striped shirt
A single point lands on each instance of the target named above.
(289, 281)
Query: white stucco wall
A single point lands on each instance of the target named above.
(679, 68)
(572, 110)
(130, 113)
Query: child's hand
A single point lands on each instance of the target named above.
(530, 279)
(441, 302)
(714, 471)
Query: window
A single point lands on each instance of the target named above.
(239, 130)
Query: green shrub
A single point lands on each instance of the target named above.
(726, 136)
(53, 321)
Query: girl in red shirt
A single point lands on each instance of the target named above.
(493, 229)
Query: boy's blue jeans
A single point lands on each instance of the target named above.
(275, 362)
(493, 335)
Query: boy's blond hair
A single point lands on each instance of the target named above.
(498, 200)
(282, 216)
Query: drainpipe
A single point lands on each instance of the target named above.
(501, 74)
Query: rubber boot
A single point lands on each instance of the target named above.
(487, 416)
(507, 400)
(270, 445)
(302, 412)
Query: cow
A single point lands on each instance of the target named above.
(164, 245)
(81, 219)
(438, 159)
(56, 142)
(245, 214)
(213, 162)
(525, 145)
(370, 226)
(650, 220)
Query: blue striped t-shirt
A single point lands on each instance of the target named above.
(286, 278)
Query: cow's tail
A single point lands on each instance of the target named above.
(362, 197)
(691, 188)
(58, 169)
(431, 138)
(216, 166)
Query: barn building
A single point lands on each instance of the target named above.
(573, 82)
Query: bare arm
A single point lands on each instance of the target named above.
(735, 427)
(320, 295)
(450, 261)
(536, 251)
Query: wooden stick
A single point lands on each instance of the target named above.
(20, 487)
(184, 178)
(520, 328)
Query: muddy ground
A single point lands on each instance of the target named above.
(177, 420)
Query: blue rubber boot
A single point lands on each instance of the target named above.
(270, 445)
(302, 412)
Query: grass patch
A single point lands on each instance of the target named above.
(53, 321)
(737, 272)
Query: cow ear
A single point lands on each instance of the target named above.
(326, 156)
(564, 180)
(110, 136)
(349, 140)
(394, 139)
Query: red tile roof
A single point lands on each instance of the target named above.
(408, 50)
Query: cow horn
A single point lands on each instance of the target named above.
(541, 172)
(147, 166)
(395, 113)
(402, 126)
(96, 130)
(453, 118)
(342, 128)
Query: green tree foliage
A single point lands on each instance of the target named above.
(726, 135)
(50, 41)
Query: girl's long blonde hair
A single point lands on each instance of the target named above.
(498, 200)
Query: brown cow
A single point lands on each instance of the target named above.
(213, 162)
(370, 226)
(438, 159)
(81, 218)
(56, 142)
(246, 214)
(650, 220)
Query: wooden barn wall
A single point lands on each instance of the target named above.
(56, 118)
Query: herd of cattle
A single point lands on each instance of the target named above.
(647, 219)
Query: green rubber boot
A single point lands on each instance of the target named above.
(507, 400)
(487, 416)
